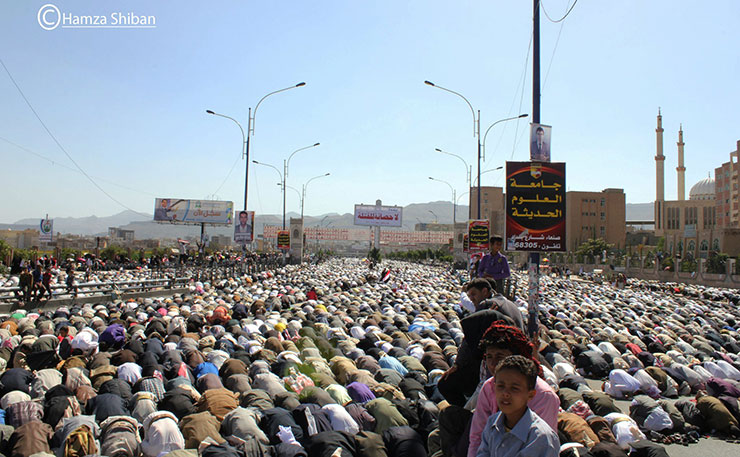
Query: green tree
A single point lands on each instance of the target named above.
(374, 255)
(716, 263)
(4, 250)
(111, 252)
(593, 247)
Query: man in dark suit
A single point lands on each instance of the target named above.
(539, 150)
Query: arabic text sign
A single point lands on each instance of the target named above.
(384, 216)
(283, 239)
(535, 206)
(182, 211)
(46, 230)
(478, 235)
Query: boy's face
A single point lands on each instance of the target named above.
(477, 295)
(496, 246)
(512, 391)
(495, 355)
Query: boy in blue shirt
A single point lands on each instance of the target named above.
(516, 430)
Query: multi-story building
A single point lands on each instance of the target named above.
(493, 207)
(119, 234)
(20, 239)
(726, 192)
(220, 241)
(591, 215)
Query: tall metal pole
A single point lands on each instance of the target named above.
(536, 62)
(454, 208)
(534, 257)
(246, 156)
(285, 170)
(286, 163)
(478, 122)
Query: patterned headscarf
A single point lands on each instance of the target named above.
(505, 336)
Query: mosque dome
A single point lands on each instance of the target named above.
(703, 190)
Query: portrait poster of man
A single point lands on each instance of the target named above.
(539, 144)
(243, 227)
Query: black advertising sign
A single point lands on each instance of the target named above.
(478, 237)
(535, 206)
(283, 239)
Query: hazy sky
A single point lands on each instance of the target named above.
(129, 104)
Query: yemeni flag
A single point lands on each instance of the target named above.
(386, 276)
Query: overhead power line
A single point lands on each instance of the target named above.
(48, 131)
(55, 163)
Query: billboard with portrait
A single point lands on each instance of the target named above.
(539, 143)
(243, 227)
(183, 211)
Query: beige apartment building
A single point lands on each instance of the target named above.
(493, 207)
(591, 215)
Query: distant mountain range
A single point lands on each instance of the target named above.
(145, 228)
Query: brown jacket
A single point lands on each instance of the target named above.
(218, 402)
(197, 427)
(30, 438)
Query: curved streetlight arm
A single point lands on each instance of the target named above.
(476, 122)
(461, 196)
(454, 199)
(244, 137)
(293, 153)
(439, 180)
(271, 166)
(315, 177)
(300, 197)
(305, 186)
(475, 183)
(497, 122)
(254, 113)
(467, 169)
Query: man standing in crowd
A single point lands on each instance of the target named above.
(494, 264)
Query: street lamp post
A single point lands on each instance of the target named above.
(436, 219)
(454, 199)
(487, 171)
(485, 135)
(305, 186)
(286, 164)
(282, 180)
(298, 192)
(468, 170)
(250, 132)
(476, 127)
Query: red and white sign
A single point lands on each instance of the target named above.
(384, 216)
